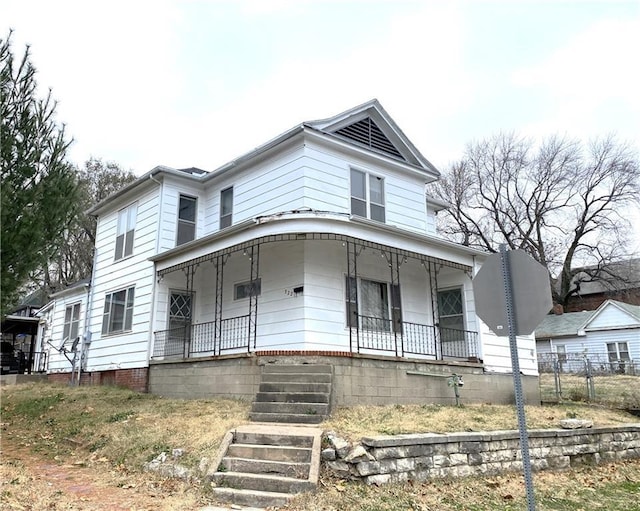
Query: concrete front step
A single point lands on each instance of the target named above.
(298, 438)
(295, 387)
(286, 418)
(253, 498)
(270, 453)
(297, 368)
(289, 408)
(292, 397)
(261, 482)
(253, 466)
(297, 377)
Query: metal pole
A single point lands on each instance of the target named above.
(517, 381)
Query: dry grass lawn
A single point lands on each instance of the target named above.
(84, 448)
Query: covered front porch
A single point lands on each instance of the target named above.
(315, 292)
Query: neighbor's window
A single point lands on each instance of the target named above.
(367, 195)
(247, 289)
(378, 305)
(226, 207)
(561, 351)
(118, 311)
(186, 219)
(126, 230)
(71, 321)
(618, 351)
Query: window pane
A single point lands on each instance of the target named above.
(117, 311)
(128, 243)
(376, 189)
(358, 207)
(187, 209)
(247, 289)
(226, 201)
(358, 186)
(131, 221)
(122, 222)
(186, 232)
(450, 302)
(119, 246)
(225, 221)
(76, 311)
(374, 299)
(377, 213)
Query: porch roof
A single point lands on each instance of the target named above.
(317, 225)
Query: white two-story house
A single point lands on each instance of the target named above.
(318, 245)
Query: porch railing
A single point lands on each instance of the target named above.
(203, 338)
(377, 334)
(414, 338)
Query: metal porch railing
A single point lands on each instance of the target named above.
(377, 334)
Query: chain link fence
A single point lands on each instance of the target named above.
(589, 378)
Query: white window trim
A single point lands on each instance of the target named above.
(368, 202)
(124, 330)
(71, 321)
(228, 215)
(244, 283)
(462, 298)
(180, 292)
(179, 220)
(127, 229)
(390, 307)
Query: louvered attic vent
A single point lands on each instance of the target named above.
(366, 132)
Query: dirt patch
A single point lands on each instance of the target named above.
(30, 483)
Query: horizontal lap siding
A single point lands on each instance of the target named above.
(328, 172)
(57, 361)
(127, 350)
(271, 186)
(596, 342)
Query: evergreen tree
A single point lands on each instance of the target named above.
(39, 188)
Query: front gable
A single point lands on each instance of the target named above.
(613, 315)
(369, 126)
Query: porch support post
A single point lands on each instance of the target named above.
(189, 272)
(396, 308)
(353, 321)
(254, 256)
(435, 313)
(219, 262)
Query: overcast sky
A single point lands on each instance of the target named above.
(198, 83)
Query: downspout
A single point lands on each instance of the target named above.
(154, 282)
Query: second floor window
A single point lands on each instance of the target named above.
(186, 219)
(367, 195)
(71, 321)
(118, 311)
(226, 207)
(126, 230)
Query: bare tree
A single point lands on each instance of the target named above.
(74, 259)
(564, 203)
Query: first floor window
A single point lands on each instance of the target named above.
(180, 310)
(561, 351)
(377, 304)
(118, 311)
(247, 289)
(126, 231)
(450, 310)
(71, 321)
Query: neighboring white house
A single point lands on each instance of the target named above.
(319, 243)
(610, 334)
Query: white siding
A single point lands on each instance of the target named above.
(55, 327)
(612, 316)
(130, 349)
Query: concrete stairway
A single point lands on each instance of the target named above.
(298, 394)
(264, 465)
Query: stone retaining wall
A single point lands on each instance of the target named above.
(419, 457)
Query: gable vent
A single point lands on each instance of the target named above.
(366, 132)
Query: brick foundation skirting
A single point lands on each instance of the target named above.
(135, 379)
